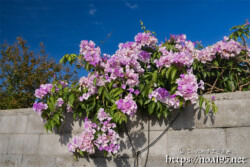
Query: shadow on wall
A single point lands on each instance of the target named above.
(138, 128)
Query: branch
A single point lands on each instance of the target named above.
(216, 81)
(244, 85)
(214, 87)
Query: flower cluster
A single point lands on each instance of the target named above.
(145, 39)
(188, 86)
(178, 38)
(226, 49)
(84, 142)
(184, 55)
(101, 135)
(169, 57)
(127, 105)
(87, 83)
(59, 102)
(39, 107)
(162, 95)
(123, 65)
(91, 54)
(125, 80)
(43, 90)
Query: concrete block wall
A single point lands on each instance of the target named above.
(25, 143)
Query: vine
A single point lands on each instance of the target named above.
(142, 76)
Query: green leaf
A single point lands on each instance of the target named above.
(154, 79)
(165, 113)
(107, 95)
(151, 108)
(216, 63)
(201, 100)
(181, 102)
(81, 153)
(159, 106)
(215, 109)
(239, 33)
(118, 92)
(53, 90)
(74, 116)
(173, 88)
(71, 99)
(163, 72)
(111, 84)
(230, 85)
(159, 114)
(57, 118)
(173, 73)
(146, 102)
(62, 61)
(100, 90)
(94, 81)
(168, 72)
(120, 117)
(60, 86)
(207, 109)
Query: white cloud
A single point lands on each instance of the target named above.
(92, 11)
(135, 6)
(99, 23)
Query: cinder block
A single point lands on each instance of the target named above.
(153, 162)
(38, 161)
(140, 141)
(229, 95)
(23, 144)
(4, 142)
(159, 149)
(72, 126)
(10, 160)
(185, 120)
(238, 141)
(138, 122)
(69, 161)
(231, 113)
(161, 162)
(21, 111)
(35, 124)
(194, 140)
(110, 162)
(94, 162)
(13, 124)
(53, 144)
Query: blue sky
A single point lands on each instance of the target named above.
(62, 24)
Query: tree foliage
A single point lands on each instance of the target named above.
(23, 71)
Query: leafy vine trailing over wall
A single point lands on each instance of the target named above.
(142, 76)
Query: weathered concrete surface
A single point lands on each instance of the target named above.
(18, 124)
(10, 160)
(25, 143)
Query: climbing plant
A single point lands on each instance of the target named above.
(142, 76)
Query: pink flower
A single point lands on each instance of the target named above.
(127, 105)
(187, 87)
(59, 102)
(39, 107)
(43, 90)
(90, 53)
